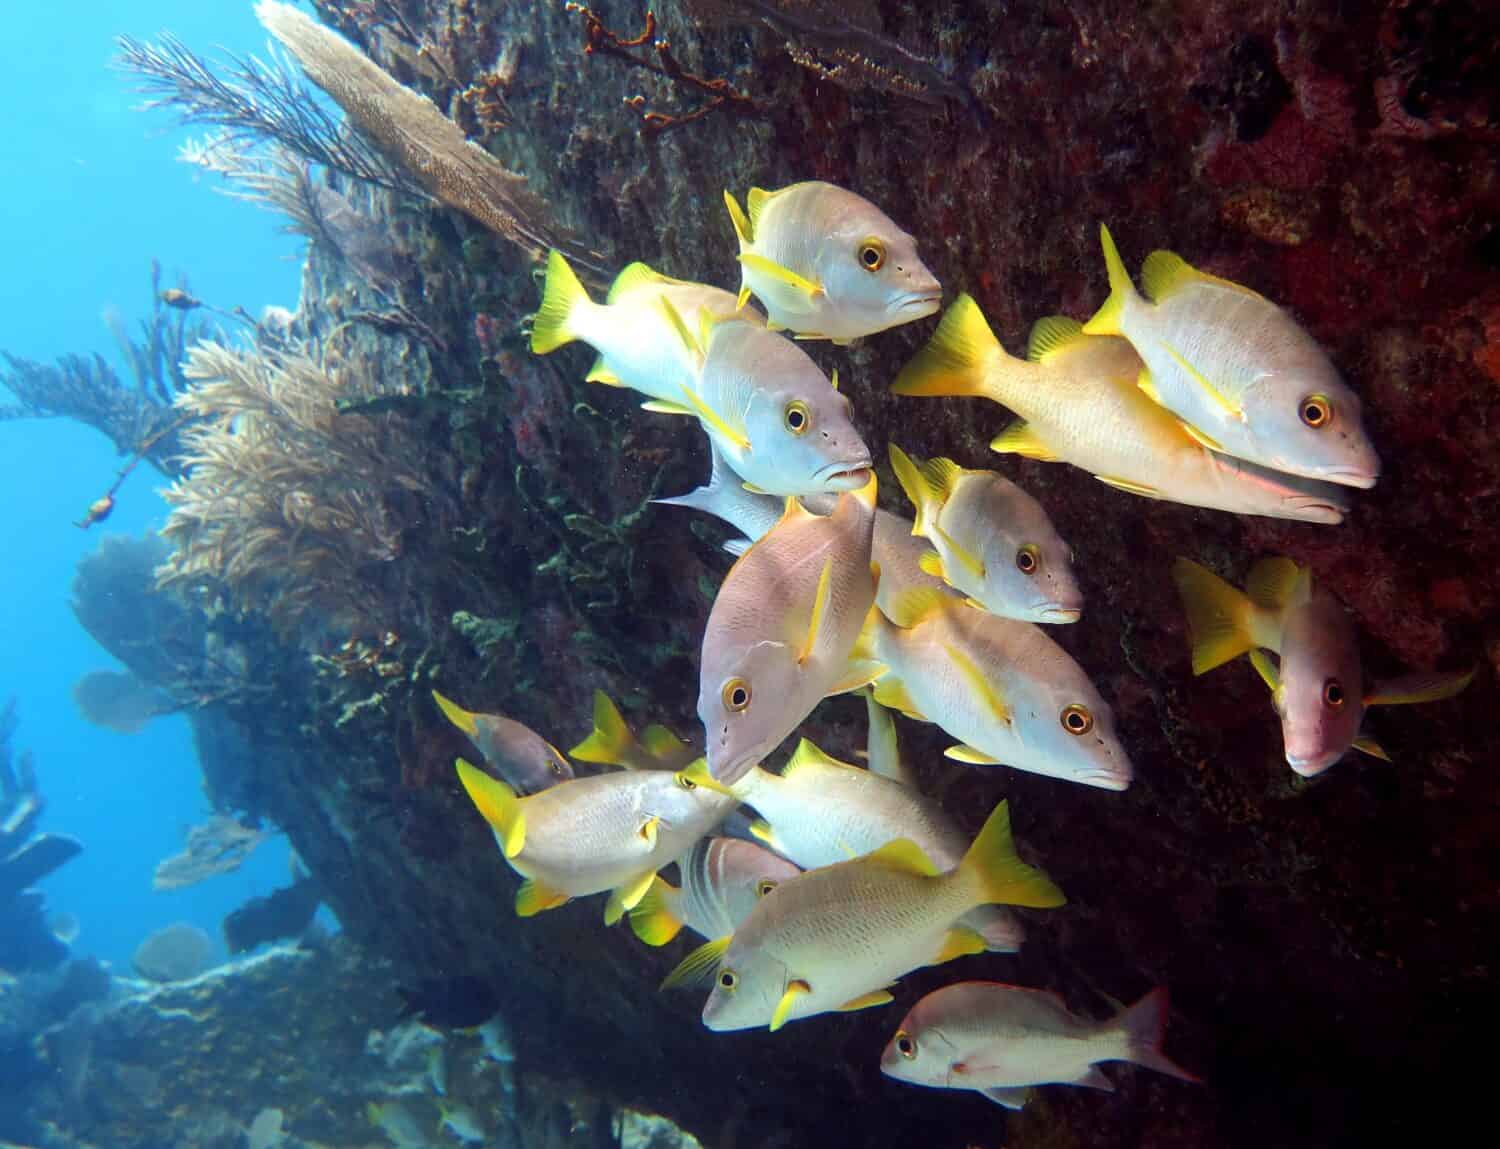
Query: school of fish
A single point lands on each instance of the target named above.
(847, 877)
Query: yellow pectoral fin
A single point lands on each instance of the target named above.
(1130, 487)
(865, 1001)
(959, 942)
(783, 1009)
(663, 407)
(761, 829)
(1268, 671)
(742, 299)
(819, 609)
(1367, 745)
(649, 829)
(932, 564)
(714, 421)
(970, 756)
(1418, 688)
(858, 674)
(533, 897)
(803, 289)
(1204, 439)
(891, 692)
(1225, 404)
(627, 896)
(986, 691)
(966, 558)
(1020, 439)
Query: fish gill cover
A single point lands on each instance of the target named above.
(385, 493)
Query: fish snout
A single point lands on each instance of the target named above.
(1058, 614)
(1311, 765)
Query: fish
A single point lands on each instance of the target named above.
(1078, 403)
(462, 1122)
(819, 811)
(523, 758)
(399, 1122)
(460, 1002)
(608, 832)
(1009, 693)
(994, 542)
(782, 425)
(998, 1040)
(897, 553)
(828, 264)
(722, 879)
(638, 346)
(613, 743)
(1318, 686)
(1241, 374)
(835, 938)
(883, 748)
(782, 629)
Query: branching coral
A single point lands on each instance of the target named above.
(138, 419)
(414, 132)
(286, 500)
(255, 100)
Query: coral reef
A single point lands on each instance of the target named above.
(176, 952)
(195, 1064)
(1329, 944)
(26, 857)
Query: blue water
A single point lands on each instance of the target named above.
(92, 192)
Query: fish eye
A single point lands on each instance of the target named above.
(1076, 719)
(1316, 410)
(1333, 693)
(735, 695)
(906, 1045)
(797, 417)
(764, 887)
(871, 254)
(1028, 559)
(728, 979)
(686, 783)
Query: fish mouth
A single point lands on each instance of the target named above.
(1311, 767)
(1350, 476)
(1310, 510)
(919, 303)
(1057, 613)
(844, 476)
(1106, 780)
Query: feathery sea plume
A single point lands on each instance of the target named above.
(286, 499)
(412, 131)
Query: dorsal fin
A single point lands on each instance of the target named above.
(632, 276)
(809, 755)
(1052, 335)
(756, 200)
(904, 854)
(1276, 583)
(819, 609)
(913, 606)
(1165, 273)
(742, 227)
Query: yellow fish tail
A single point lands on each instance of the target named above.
(957, 358)
(998, 873)
(743, 230)
(652, 918)
(1106, 320)
(499, 805)
(1221, 622)
(611, 743)
(465, 720)
(928, 485)
(562, 294)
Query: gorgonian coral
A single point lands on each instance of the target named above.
(286, 501)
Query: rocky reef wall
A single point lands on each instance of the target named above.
(1328, 943)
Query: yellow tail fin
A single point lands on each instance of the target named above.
(992, 863)
(652, 918)
(743, 231)
(611, 743)
(1220, 623)
(956, 358)
(928, 485)
(465, 720)
(499, 805)
(561, 295)
(1106, 320)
